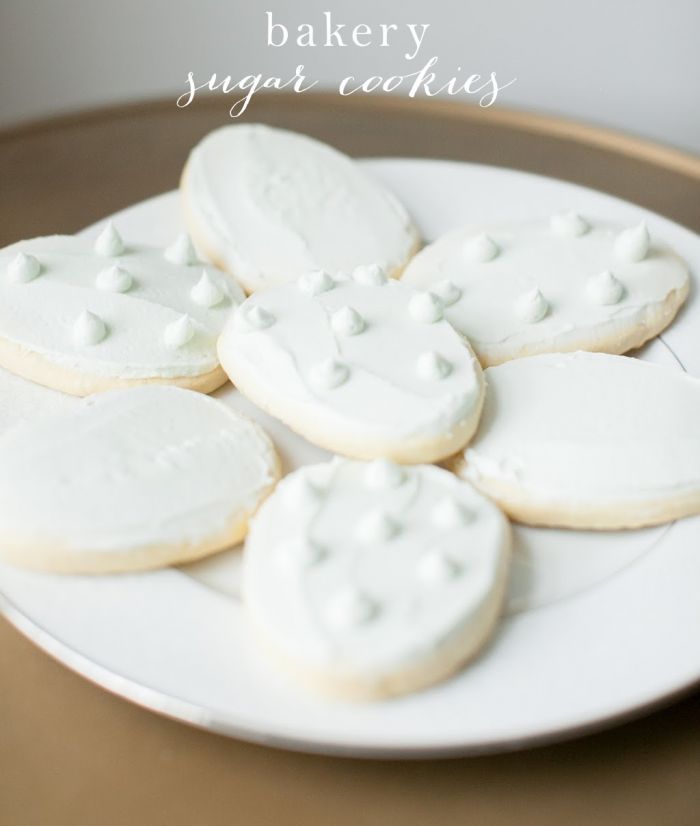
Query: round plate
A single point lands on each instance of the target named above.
(597, 625)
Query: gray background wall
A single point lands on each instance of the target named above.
(629, 64)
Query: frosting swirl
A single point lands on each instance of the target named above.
(88, 328)
(480, 248)
(109, 242)
(532, 306)
(604, 288)
(24, 267)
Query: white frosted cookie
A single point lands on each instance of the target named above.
(558, 286)
(361, 366)
(588, 440)
(82, 316)
(131, 479)
(368, 580)
(268, 205)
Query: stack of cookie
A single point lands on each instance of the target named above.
(495, 351)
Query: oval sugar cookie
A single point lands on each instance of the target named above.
(588, 440)
(361, 366)
(557, 286)
(131, 479)
(368, 580)
(268, 205)
(83, 316)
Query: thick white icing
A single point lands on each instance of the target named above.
(532, 306)
(542, 287)
(127, 469)
(114, 279)
(604, 288)
(179, 332)
(433, 366)
(383, 473)
(110, 318)
(632, 244)
(425, 307)
(23, 268)
(109, 242)
(88, 328)
(588, 428)
(181, 252)
(316, 282)
(370, 608)
(570, 224)
(271, 205)
(347, 322)
(397, 378)
(376, 526)
(206, 292)
(480, 247)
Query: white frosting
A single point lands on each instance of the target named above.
(347, 322)
(181, 252)
(376, 526)
(532, 306)
(438, 567)
(382, 473)
(23, 268)
(253, 317)
(88, 328)
(542, 289)
(113, 318)
(386, 600)
(604, 288)
(447, 292)
(632, 244)
(480, 248)
(570, 224)
(114, 279)
(449, 513)
(370, 274)
(432, 366)
(272, 205)
(130, 469)
(397, 378)
(425, 307)
(206, 292)
(179, 332)
(109, 242)
(316, 282)
(589, 428)
(329, 373)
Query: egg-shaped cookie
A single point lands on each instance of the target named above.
(131, 479)
(367, 580)
(82, 316)
(588, 440)
(566, 284)
(268, 205)
(363, 366)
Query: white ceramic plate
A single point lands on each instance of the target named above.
(599, 625)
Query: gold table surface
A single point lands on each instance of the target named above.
(70, 753)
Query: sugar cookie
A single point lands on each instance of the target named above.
(361, 366)
(83, 316)
(372, 579)
(268, 205)
(588, 440)
(131, 479)
(557, 286)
